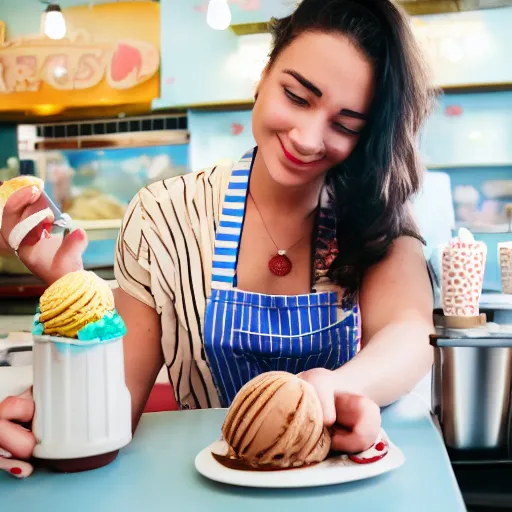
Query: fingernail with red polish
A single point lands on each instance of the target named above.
(16, 471)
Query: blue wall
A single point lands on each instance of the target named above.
(472, 47)
(464, 48)
(195, 58)
(480, 135)
(475, 148)
(217, 136)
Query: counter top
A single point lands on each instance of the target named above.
(156, 472)
(17, 323)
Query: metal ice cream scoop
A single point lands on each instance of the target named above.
(62, 221)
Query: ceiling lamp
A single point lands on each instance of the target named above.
(54, 24)
(218, 16)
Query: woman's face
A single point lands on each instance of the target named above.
(311, 107)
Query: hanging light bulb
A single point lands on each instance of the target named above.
(218, 15)
(54, 25)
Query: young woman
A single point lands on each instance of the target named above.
(296, 258)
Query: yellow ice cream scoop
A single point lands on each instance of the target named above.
(74, 301)
(8, 188)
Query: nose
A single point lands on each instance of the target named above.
(308, 138)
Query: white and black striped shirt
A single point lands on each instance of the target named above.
(164, 258)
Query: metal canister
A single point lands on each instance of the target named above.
(471, 390)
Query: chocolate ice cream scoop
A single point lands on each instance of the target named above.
(276, 422)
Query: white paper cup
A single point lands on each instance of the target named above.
(505, 259)
(82, 404)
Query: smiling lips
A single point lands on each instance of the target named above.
(295, 160)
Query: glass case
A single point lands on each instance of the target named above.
(482, 198)
(94, 175)
(97, 185)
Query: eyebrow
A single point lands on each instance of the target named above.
(351, 113)
(317, 92)
(304, 82)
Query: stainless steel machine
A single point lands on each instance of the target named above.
(471, 401)
(471, 393)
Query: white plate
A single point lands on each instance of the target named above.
(335, 470)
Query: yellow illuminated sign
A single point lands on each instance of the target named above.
(110, 56)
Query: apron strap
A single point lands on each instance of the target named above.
(229, 231)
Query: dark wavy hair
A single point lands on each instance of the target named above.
(372, 188)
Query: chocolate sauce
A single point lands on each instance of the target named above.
(240, 465)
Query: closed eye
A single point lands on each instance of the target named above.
(294, 98)
(343, 129)
(297, 100)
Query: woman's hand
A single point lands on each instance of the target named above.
(49, 257)
(16, 442)
(354, 420)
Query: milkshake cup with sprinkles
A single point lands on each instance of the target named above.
(505, 259)
(82, 404)
(463, 266)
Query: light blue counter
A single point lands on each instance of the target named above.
(156, 473)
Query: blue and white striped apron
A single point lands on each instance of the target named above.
(246, 334)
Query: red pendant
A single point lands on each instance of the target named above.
(280, 265)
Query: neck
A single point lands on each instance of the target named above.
(270, 195)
